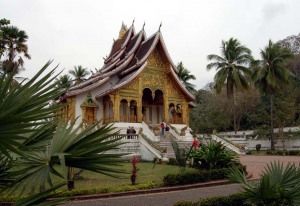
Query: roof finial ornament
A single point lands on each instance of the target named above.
(160, 26)
(133, 21)
(144, 25)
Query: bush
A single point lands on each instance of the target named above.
(172, 161)
(232, 200)
(258, 147)
(194, 177)
(184, 203)
(294, 152)
(214, 155)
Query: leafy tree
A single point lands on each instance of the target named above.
(185, 76)
(64, 81)
(36, 148)
(270, 73)
(13, 47)
(232, 69)
(79, 73)
(211, 112)
(278, 185)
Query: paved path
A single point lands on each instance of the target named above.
(255, 164)
(161, 199)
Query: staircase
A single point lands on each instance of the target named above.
(228, 144)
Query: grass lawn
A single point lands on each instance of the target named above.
(148, 176)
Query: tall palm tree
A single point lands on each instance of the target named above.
(270, 73)
(232, 68)
(185, 76)
(79, 73)
(64, 81)
(14, 44)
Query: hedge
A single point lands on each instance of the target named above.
(232, 200)
(194, 177)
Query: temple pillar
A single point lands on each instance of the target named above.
(166, 106)
(139, 102)
(116, 107)
(185, 113)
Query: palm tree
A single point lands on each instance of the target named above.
(13, 42)
(42, 147)
(64, 81)
(79, 73)
(232, 69)
(278, 185)
(270, 73)
(185, 76)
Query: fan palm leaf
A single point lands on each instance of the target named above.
(24, 107)
(279, 185)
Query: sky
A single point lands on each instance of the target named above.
(81, 32)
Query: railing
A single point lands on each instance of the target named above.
(130, 143)
(126, 137)
(227, 144)
(149, 132)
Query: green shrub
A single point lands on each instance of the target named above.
(194, 177)
(214, 155)
(294, 152)
(258, 147)
(172, 161)
(232, 200)
(183, 203)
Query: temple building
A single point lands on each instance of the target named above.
(138, 84)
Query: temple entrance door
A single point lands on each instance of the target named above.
(152, 106)
(147, 103)
(158, 107)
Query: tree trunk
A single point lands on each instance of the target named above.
(70, 175)
(234, 111)
(272, 126)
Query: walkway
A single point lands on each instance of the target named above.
(161, 199)
(255, 164)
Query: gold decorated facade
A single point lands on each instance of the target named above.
(151, 93)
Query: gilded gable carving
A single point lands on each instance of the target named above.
(155, 60)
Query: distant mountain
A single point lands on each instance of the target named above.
(292, 43)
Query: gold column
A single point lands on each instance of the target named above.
(139, 102)
(184, 112)
(116, 106)
(166, 105)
